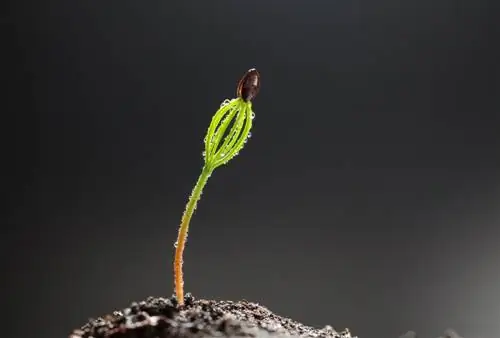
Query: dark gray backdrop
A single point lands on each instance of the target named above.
(367, 197)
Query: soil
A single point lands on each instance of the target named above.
(163, 318)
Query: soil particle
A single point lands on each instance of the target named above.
(162, 318)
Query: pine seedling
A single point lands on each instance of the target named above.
(228, 132)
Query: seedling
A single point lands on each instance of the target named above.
(220, 147)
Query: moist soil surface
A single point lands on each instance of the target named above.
(162, 318)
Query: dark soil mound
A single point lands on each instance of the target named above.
(162, 318)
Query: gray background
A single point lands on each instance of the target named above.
(367, 197)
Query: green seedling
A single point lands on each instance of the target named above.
(228, 132)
